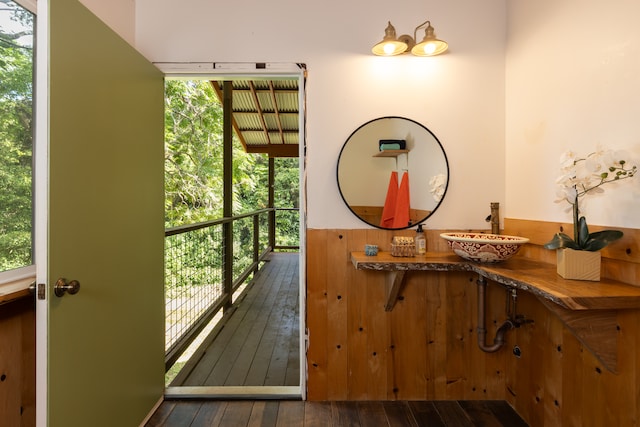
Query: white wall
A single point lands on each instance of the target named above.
(119, 15)
(458, 96)
(572, 82)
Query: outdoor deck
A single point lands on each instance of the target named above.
(258, 344)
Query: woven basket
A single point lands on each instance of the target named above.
(403, 246)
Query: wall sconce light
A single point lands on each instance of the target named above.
(392, 45)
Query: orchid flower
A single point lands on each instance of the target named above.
(580, 176)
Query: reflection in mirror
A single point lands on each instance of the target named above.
(375, 184)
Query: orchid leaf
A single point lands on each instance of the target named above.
(583, 232)
(600, 239)
(561, 240)
(592, 242)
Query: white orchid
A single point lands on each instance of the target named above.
(579, 176)
(438, 184)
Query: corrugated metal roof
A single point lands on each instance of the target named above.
(265, 115)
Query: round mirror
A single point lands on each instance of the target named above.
(392, 173)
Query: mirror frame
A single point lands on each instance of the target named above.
(446, 164)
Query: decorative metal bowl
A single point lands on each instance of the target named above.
(488, 248)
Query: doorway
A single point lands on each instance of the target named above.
(268, 121)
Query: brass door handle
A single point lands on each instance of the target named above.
(62, 286)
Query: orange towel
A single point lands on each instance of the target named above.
(401, 215)
(389, 209)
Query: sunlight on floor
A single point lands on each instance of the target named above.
(184, 357)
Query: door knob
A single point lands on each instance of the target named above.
(62, 286)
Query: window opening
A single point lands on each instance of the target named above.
(16, 135)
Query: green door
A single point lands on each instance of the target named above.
(106, 225)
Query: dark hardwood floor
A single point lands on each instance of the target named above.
(258, 344)
(192, 413)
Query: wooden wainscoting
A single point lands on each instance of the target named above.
(426, 348)
(557, 381)
(18, 363)
(620, 260)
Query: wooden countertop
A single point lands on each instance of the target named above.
(588, 309)
(536, 277)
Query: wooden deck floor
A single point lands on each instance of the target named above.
(322, 414)
(258, 344)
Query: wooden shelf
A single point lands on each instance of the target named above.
(588, 309)
(390, 153)
(538, 278)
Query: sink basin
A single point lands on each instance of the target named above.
(489, 248)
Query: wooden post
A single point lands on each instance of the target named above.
(227, 208)
(272, 214)
(256, 241)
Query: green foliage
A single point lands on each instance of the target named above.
(16, 89)
(194, 168)
(194, 158)
(194, 188)
(287, 195)
(193, 153)
(286, 186)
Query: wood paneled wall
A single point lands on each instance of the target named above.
(17, 363)
(426, 348)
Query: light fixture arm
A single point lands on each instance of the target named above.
(415, 32)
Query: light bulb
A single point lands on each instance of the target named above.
(388, 48)
(429, 48)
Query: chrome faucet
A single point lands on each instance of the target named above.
(494, 218)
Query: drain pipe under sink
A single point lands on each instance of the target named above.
(499, 340)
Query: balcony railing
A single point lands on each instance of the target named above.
(202, 271)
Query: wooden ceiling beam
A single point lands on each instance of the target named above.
(275, 150)
(236, 128)
(276, 110)
(258, 90)
(256, 101)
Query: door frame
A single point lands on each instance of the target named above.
(41, 200)
(248, 71)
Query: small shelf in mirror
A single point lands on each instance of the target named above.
(390, 153)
